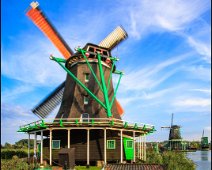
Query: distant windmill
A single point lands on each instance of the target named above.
(204, 142)
(174, 133)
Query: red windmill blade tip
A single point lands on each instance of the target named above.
(119, 108)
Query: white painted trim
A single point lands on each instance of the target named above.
(105, 147)
(121, 145)
(88, 147)
(41, 149)
(35, 146)
(28, 146)
(50, 147)
(68, 138)
(134, 146)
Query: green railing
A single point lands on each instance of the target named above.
(86, 122)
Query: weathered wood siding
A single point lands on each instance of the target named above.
(72, 105)
(78, 140)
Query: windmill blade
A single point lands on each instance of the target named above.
(40, 20)
(114, 38)
(172, 119)
(119, 108)
(45, 107)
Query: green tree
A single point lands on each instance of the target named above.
(7, 145)
(23, 143)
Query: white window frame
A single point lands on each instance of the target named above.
(53, 145)
(127, 144)
(85, 100)
(85, 119)
(111, 141)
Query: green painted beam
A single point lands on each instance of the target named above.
(83, 54)
(118, 72)
(114, 58)
(42, 124)
(78, 82)
(125, 125)
(110, 77)
(105, 92)
(114, 96)
(61, 123)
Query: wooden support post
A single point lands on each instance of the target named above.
(121, 146)
(134, 146)
(35, 148)
(41, 148)
(50, 147)
(144, 147)
(28, 147)
(105, 147)
(140, 149)
(137, 151)
(88, 147)
(68, 138)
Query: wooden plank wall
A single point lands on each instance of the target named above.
(78, 140)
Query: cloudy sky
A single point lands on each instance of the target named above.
(166, 60)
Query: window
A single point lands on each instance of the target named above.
(85, 99)
(129, 144)
(105, 53)
(55, 144)
(91, 49)
(85, 117)
(87, 76)
(111, 144)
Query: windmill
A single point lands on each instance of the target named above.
(174, 135)
(204, 142)
(89, 117)
(44, 108)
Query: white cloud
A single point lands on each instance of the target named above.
(201, 47)
(174, 16)
(32, 64)
(198, 102)
(151, 76)
(206, 91)
(147, 16)
(208, 128)
(11, 110)
(199, 72)
(9, 94)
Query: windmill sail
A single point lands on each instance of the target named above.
(40, 20)
(46, 106)
(114, 38)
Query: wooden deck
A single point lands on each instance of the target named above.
(134, 167)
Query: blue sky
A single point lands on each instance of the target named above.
(166, 60)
